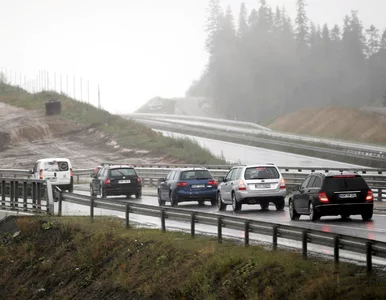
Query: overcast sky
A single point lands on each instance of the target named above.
(135, 49)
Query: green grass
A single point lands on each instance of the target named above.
(128, 133)
(71, 258)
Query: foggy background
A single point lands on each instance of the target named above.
(135, 50)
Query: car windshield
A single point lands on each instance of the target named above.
(341, 183)
(261, 173)
(122, 172)
(55, 166)
(196, 175)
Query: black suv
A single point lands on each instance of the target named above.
(116, 180)
(332, 194)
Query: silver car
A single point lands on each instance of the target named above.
(253, 184)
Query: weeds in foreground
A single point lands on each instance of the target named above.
(68, 257)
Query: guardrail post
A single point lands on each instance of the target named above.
(16, 187)
(193, 224)
(305, 243)
(25, 196)
(379, 194)
(60, 200)
(3, 194)
(219, 230)
(39, 200)
(274, 237)
(77, 179)
(369, 256)
(336, 249)
(163, 223)
(12, 193)
(92, 209)
(246, 233)
(49, 198)
(127, 215)
(34, 195)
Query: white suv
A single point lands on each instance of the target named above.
(253, 184)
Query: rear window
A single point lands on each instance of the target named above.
(122, 172)
(195, 175)
(55, 166)
(261, 173)
(352, 183)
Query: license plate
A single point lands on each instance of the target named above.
(198, 186)
(345, 196)
(124, 181)
(263, 186)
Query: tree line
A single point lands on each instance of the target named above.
(268, 64)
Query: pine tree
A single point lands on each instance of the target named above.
(372, 41)
(382, 44)
(213, 25)
(243, 27)
(301, 30)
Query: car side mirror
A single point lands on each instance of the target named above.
(221, 179)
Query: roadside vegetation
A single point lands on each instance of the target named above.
(128, 133)
(65, 258)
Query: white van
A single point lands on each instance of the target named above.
(56, 170)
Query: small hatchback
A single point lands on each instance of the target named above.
(116, 180)
(332, 194)
(253, 184)
(188, 184)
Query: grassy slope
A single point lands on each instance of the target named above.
(69, 257)
(128, 133)
(334, 122)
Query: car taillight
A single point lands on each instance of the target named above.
(242, 186)
(107, 181)
(370, 196)
(323, 197)
(139, 180)
(41, 174)
(182, 184)
(212, 182)
(71, 174)
(282, 183)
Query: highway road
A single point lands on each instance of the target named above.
(270, 133)
(375, 229)
(251, 155)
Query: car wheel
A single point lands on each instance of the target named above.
(367, 215)
(201, 202)
(128, 196)
(314, 216)
(264, 206)
(235, 205)
(138, 195)
(220, 204)
(103, 193)
(293, 213)
(173, 202)
(213, 202)
(160, 201)
(71, 188)
(280, 205)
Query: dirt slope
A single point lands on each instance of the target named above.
(335, 122)
(26, 136)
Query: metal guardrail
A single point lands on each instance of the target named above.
(371, 248)
(345, 146)
(26, 195)
(152, 173)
